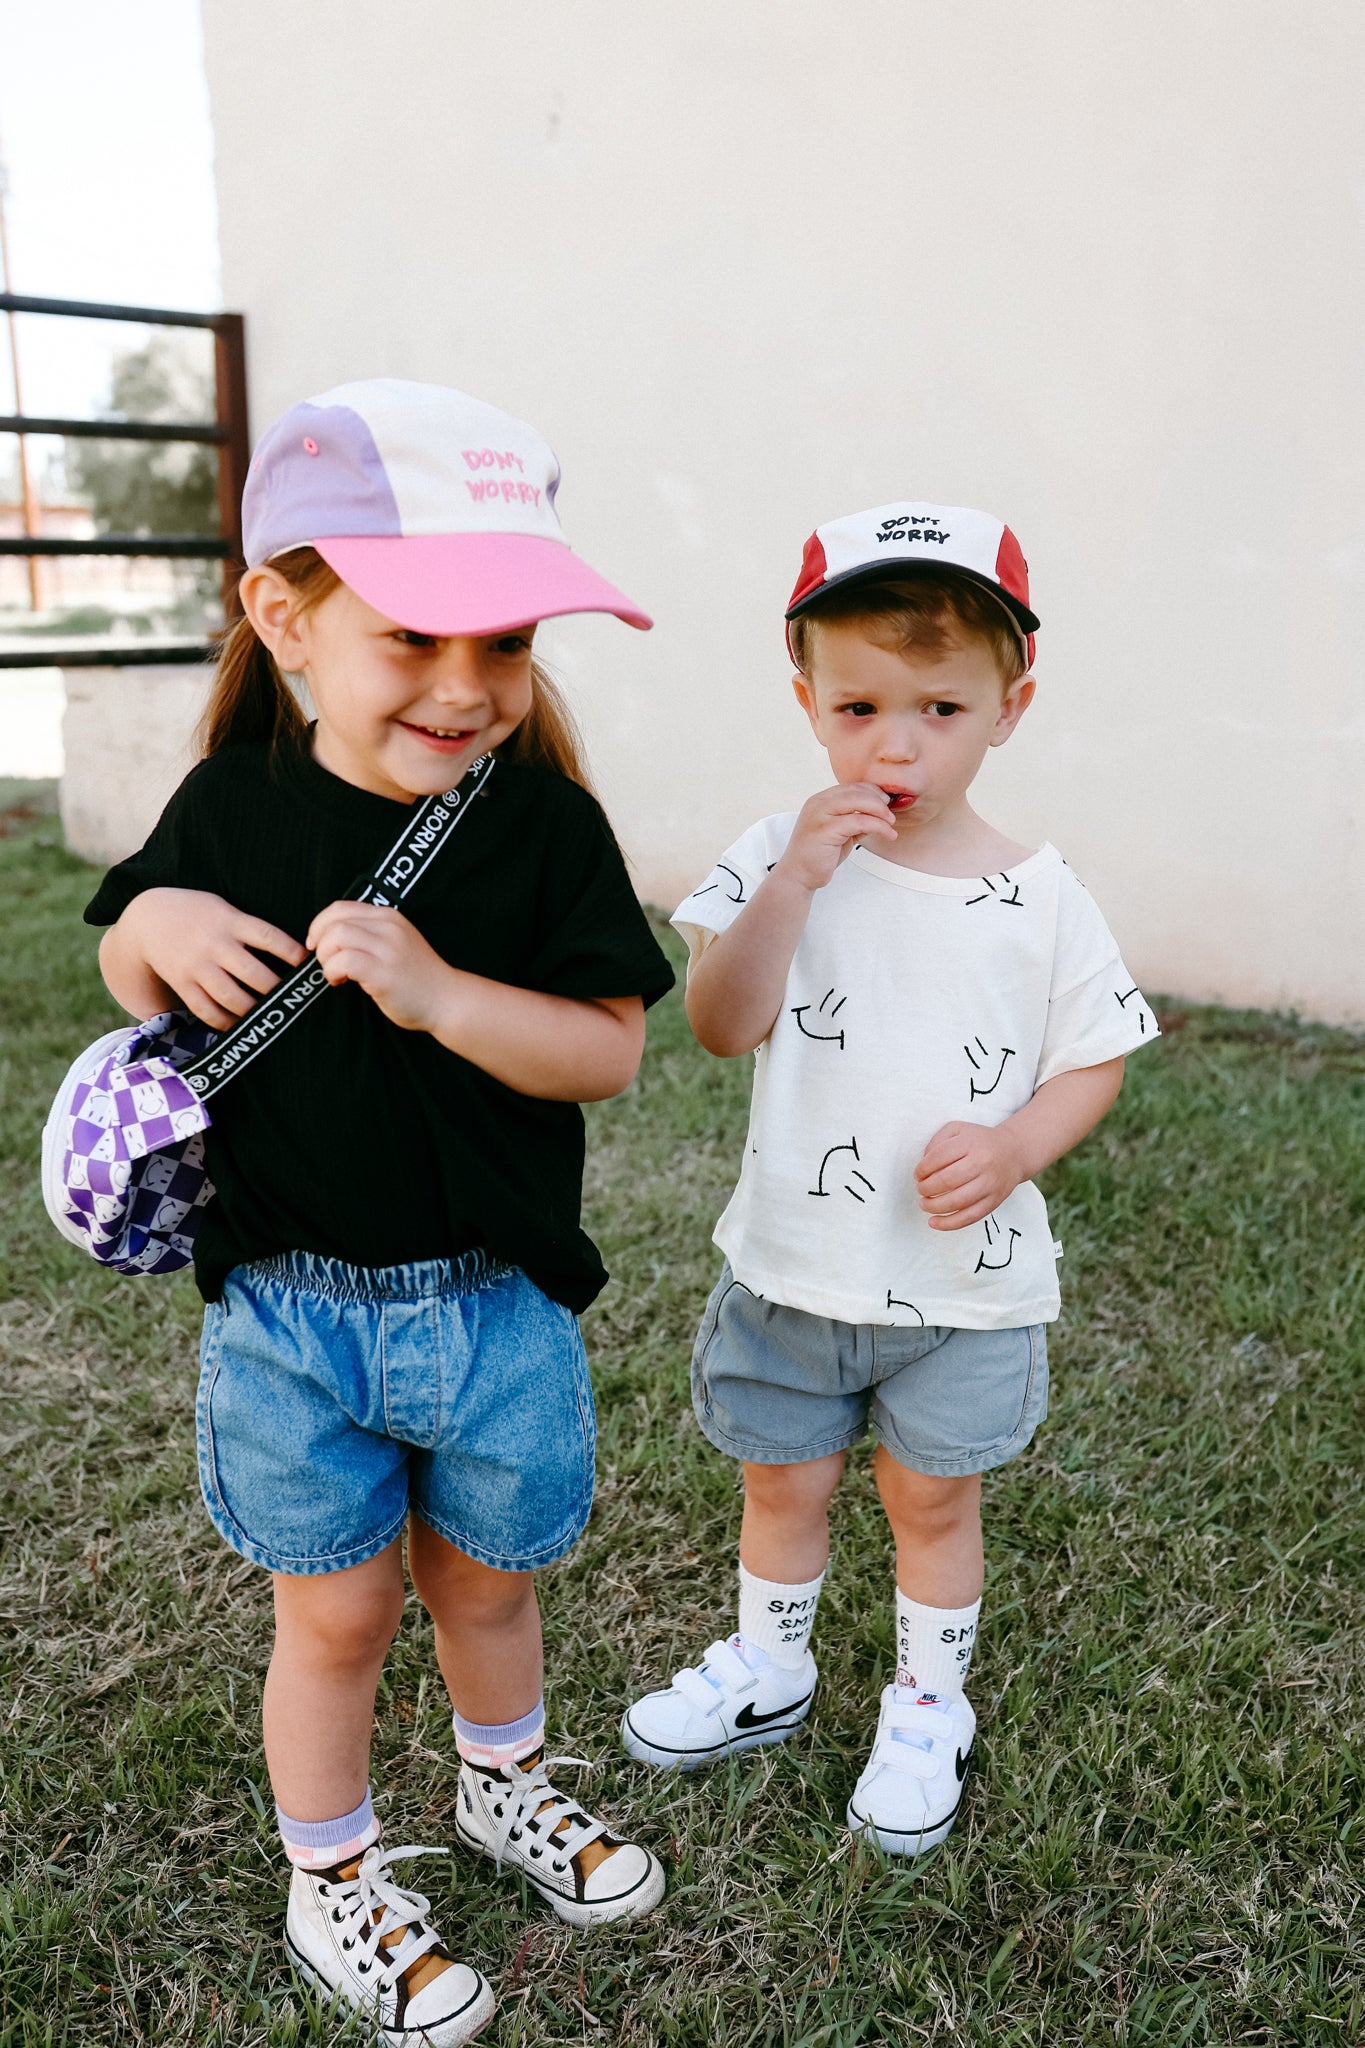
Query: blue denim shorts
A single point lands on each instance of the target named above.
(775, 1386)
(333, 1399)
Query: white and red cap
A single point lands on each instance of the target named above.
(919, 536)
(433, 507)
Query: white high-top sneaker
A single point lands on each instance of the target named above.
(515, 1815)
(717, 1707)
(911, 1786)
(361, 1936)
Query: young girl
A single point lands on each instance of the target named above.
(393, 1263)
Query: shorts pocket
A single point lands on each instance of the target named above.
(1009, 1411)
(705, 1338)
(710, 1322)
(971, 1403)
(210, 1350)
(1036, 1391)
(587, 1407)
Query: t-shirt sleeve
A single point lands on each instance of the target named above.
(178, 854)
(715, 903)
(596, 937)
(1095, 1011)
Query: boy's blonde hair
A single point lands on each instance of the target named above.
(918, 611)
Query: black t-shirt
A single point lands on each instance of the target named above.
(352, 1137)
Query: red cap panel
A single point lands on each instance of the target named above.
(813, 566)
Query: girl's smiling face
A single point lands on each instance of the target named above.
(917, 728)
(399, 713)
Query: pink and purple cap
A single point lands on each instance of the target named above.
(431, 506)
(917, 535)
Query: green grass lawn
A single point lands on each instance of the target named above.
(1162, 1842)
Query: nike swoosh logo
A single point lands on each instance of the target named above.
(960, 1765)
(746, 1717)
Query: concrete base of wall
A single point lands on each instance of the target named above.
(128, 736)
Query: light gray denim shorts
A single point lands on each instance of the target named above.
(775, 1386)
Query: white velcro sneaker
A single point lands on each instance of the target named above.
(911, 1786)
(718, 1707)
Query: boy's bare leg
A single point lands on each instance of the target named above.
(937, 1527)
(909, 1790)
(332, 1634)
(785, 1531)
(755, 1686)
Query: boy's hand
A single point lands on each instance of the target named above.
(386, 956)
(197, 944)
(829, 826)
(966, 1171)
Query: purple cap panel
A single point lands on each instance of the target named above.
(316, 473)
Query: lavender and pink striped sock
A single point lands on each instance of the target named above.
(490, 1744)
(318, 1844)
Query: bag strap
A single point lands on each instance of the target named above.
(428, 828)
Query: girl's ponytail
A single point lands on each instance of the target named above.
(250, 698)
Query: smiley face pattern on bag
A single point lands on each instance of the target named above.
(913, 1001)
(129, 1176)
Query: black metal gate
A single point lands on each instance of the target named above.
(227, 432)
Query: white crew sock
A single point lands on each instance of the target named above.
(933, 1646)
(778, 1619)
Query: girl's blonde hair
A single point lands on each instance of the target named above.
(251, 699)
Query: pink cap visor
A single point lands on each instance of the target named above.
(475, 583)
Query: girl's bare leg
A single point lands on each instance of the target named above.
(332, 1634)
(487, 1628)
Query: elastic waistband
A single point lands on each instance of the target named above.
(419, 1280)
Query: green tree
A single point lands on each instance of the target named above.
(158, 486)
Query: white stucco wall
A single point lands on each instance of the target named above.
(1100, 269)
(128, 742)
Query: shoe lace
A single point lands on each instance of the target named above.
(529, 1804)
(372, 1906)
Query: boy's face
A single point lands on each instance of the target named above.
(918, 729)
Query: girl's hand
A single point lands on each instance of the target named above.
(196, 947)
(966, 1171)
(382, 953)
(558, 1048)
(828, 828)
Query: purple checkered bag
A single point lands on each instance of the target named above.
(123, 1149)
(123, 1152)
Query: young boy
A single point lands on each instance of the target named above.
(937, 1013)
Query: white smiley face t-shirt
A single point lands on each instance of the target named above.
(913, 1001)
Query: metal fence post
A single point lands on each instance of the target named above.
(234, 454)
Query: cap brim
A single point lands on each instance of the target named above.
(477, 583)
(1026, 620)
